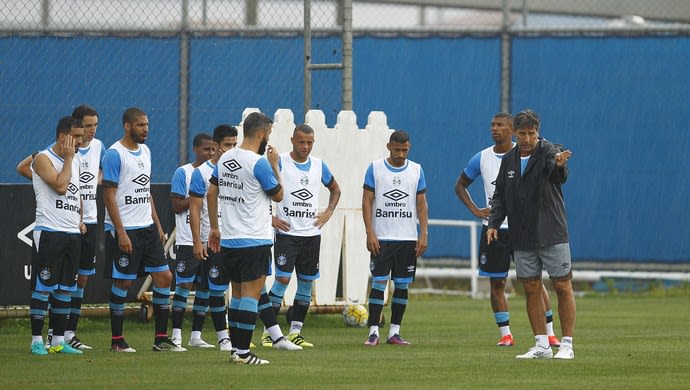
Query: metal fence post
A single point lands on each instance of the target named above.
(347, 55)
(184, 85)
(505, 58)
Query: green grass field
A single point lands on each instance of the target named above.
(621, 342)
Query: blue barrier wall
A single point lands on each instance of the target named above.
(43, 79)
(623, 106)
(619, 103)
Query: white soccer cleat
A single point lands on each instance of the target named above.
(199, 343)
(537, 352)
(77, 344)
(225, 345)
(250, 359)
(565, 352)
(176, 341)
(285, 344)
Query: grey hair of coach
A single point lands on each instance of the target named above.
(526, 119)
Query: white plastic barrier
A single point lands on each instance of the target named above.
(347, 150)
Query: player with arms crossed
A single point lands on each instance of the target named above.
(494, 259)
(298, 226)
(393, 200)
(134, 236)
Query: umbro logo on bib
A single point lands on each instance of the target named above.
(232, 165)
(86, 177)
(142, 180)
(302, 194)
(72, 189)
(395, 195)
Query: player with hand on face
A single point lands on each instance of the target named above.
(243, 184)
(56, 236)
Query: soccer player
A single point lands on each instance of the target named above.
(528, 192)
(243, 184)
(298, 226)
(393, 200)
(90, 155)
(134, 236)
(188, 266)
(225, 138)
(494, 259)
(56, 236)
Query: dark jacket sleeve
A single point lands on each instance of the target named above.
(498, 200)
(555, 174)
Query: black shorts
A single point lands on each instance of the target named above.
(300, 254)
(241, 264)
(188, 269)
(494, 259)
(398, 258)
(147, 254)
(89, 241)
(213, 275)
(55, 261)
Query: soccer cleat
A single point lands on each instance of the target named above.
(199, 343)
(77, 344)
(397, 340)
(121, 346)
(38, 348)
(249, 359)
(266, 340)
(164, 344)
(553, 341)
(64, 348)
(537, 352)
(297, 339)
(225, 345)
(565, 352)
(176, 341)
(506, 341)
(372, 340)
(285, 344)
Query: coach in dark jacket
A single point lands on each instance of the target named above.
(528, 192)
(532, 201)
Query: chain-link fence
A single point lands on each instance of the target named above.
(600, 72)
(192, 64)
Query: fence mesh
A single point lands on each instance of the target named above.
(231, 54)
